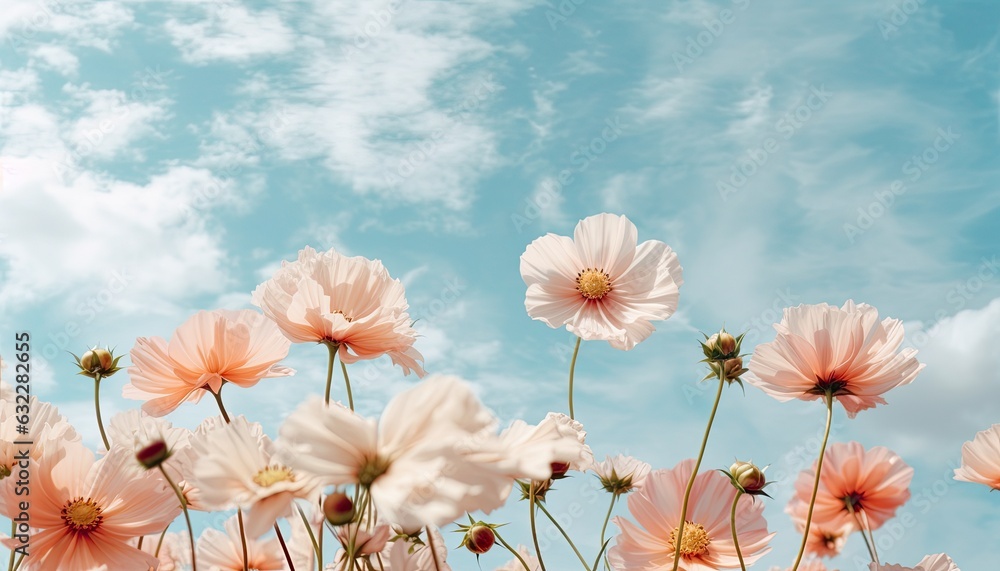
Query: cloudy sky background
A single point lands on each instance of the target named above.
(162, 158)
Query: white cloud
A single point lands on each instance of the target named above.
(231, 32)
(26, 23)
(56, 57)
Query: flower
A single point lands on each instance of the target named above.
(748, 478)
(823, 541)
(98, 362)
(981, 459)
(46, 428)
(415, 460)
(873, 483)
(601, 284)
(175, 551)
(236, 467)
(212, 347)
(352, 303)
(939, 562)
(84, 512)
(414, 554)
(621, 474)
(366, 541)
(846, 352)
(707, 542)
(224, 551)
(515, 564)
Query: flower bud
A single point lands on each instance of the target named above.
(749, 477)
(338, 508)
(559, 470)
(731, 369)
(98, 362)
(479, 539)
(721, 346)
(153, 455)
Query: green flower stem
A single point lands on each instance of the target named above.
(819, 471)
(187, 515)
(862, 527)
(347, 381)
(732, 526)
(97, 406)
(218, 400)
(572, 373)
(243, 540)
(284, 548)
(565, 535)
(13, 531)
(697, 466)
(512, 550)
(534, 529)
(333, 348)
(434, 555)
(159, 543)
(604, 530)
(312, 536)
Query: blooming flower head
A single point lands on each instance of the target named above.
(219, 551)
(846, 352)
(621, 474)
(236, 467)
(536, 452)
(352, 303)
(601, 284)
(174, 551)
(46, 427)
(872, 483)
(939, 562)
(824, 541)
(981, 459)
(415, 460)
(240, 347)
(84, 512)
(419, 554)
(706, 543)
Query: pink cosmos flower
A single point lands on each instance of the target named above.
(875, 483)
(240, 347)
(845, 351)
(45, 427)
(175, 551)
(366, 541)
(219, 551)
(981, 459)
(404, 555)
(237, 467)
(350, 302)
(621, 474)
(823, 541)
(84, 512)
(939, 562)
(707, 543)
(416, 460)
(601, 284)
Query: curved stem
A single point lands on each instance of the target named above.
(572, 372)
(534, 529)
(732, 526)
(512, 550)
(565, 535)
(347, 381)
(871, 534)
(243, 539)
(97, 405)
(222, 408)
(159, 543)
(333, 348)
(434, 555)
(819, 471)
(312, 536)
(604, 530)
(281, 540)
(187, 515)
(864, 536)
(679, 537)
(19, 560)
(13, 531)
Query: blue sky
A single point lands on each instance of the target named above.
(161, 158)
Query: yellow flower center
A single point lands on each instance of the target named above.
(593, 284)
(694, 542)
(4, 471)
(348, 319)
(82, 515)
(272, 475)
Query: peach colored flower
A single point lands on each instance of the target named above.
(366, 541)
(175, 551)
(45, 427)
(707, 542)
(515, 564)
(240, 347)
(875, 482)
(939, 562)
(219, 551)
(823, 541)
(981, 459)
(404, 555)
(84, 512)
(236, 467)
(416, 460)
(352, 302)
(621, 474)
(601, 284)
(845, 351)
